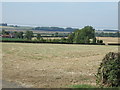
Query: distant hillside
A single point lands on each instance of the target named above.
(47, 29)
(51, 29)
(57, 29)
(106, 30)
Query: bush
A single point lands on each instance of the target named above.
(108, 74)
(99, 41)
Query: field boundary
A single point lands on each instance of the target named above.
(58, 42)
(49, 42)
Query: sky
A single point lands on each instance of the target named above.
(100, 15)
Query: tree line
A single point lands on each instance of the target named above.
(20, 35)
(103, 34)
(68, 29)
(85, 35)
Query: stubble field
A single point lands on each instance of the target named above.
(107, 40)
(52, 65)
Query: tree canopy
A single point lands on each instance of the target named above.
(82, 35)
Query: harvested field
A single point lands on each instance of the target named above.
(109, 39)
(52, 65)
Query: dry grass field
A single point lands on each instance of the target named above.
(52, 65)
(6, 27)
(109, 39)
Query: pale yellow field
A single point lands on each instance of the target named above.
(52, 65)
(109, 39)
(5, 27)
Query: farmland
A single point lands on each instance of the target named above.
(109, 39)
(52, 65)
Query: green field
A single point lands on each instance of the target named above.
(52, 65)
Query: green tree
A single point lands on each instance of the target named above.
(20, 34)
(63, 39)
(5, 32)
(94, 40)
(89, 31)
(70, 38)
(99, 41)
(56, 34)
(87, 40)
(83, 35)
(28, 35)
(16, 34)
(77, 37)
(39, 36)
(52, 35)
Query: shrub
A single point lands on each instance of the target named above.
(109, 71)
(99, 41)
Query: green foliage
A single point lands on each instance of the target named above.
(94, 40)
(83, 35)
(68, 29)
(99, 41)
(18, 34)
(39, 36)
(56, 40)
(71, 37)
(5, 32)
(103, 34)
(28, 35)
(56, 34)
(63, 39)
(87, 40)
(109, 71)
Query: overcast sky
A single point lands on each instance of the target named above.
(100, 15)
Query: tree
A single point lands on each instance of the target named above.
(70, 38)
(5, 32)
(99, 41)
(89, 31)
(82, 35)
(94, 40)
(63, 39)
(20, 34)
(87, 40)
(77, 37)
(52, 35)
(39, 36)
(16, 34)
(56, 34)
(28, 35)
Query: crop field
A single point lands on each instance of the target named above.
(5, 27)
(109, 39)
(52, 65)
